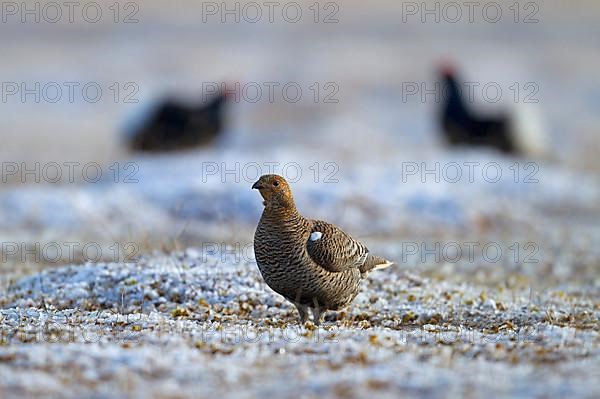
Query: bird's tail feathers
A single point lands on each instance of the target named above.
(375, 263)
(384, 265)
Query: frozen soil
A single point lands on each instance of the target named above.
(200, 322)
(181, 310)
(189, 324)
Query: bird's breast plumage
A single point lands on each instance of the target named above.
(280, 246)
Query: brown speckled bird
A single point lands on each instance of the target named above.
(312, 263)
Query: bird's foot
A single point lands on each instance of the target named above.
(318, 314)
(302, 312)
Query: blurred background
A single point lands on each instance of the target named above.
(353, 121)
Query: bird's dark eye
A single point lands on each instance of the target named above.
(275, 183)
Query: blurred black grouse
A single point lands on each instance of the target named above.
(462, 127)
(175, 126)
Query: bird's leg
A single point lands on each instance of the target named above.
(302, 309)
(317, 311)
(303, 312)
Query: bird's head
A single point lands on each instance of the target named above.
(275, 192)
(447, 69)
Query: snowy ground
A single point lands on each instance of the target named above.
(189, 325)
(143, 283)
(450, 320)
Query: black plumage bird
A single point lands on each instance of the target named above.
(175, 126)
(461, 126)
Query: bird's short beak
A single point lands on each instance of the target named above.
(256, 186)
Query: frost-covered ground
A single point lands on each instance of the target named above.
(451, 319)
(143, 283)
(189, 325)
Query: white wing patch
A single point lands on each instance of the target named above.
(316, 235)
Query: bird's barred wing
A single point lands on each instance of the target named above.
(334, 250)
